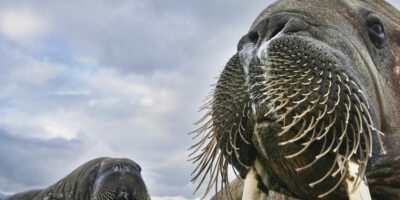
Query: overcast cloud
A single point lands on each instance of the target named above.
(121, 78)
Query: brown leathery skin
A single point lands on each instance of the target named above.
(314, 87)
(99, 179)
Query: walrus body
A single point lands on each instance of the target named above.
(98, 179)
(304, 103)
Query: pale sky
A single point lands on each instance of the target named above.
(121, 78)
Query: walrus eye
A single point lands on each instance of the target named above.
(376, 31)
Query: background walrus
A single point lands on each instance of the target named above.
(98, 179)
(303, 105)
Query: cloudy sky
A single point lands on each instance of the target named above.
(121, 78)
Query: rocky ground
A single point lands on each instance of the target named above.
(236, 187)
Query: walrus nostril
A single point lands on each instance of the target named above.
(117, 167)
(251, 37)
(277, 30)
(285, 24)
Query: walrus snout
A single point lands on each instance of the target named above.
(300, 101)
(119, 179)
(303, 101)
(309, 107)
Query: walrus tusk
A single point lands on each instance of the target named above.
(251, 190)
(361, 192)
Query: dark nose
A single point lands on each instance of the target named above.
(271, 27)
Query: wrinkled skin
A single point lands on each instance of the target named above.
(98, 179)
(313, 82)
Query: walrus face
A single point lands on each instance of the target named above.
(117, 179)
(304, 93)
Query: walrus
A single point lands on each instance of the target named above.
(99, 179)
(309, 105)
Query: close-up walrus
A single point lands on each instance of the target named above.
(98, 179)
(309, 106)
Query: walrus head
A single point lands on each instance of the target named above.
(117, 179)
(101, 179)
(313, 86)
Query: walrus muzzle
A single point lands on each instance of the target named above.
(118, 180)
(295, 99)
(303, 95)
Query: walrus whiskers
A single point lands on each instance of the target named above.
(276, 92)
(210, 155)
(312, 123)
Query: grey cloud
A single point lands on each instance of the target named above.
(143, 36)
(32, 162)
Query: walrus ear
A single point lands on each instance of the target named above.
(94, 171)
